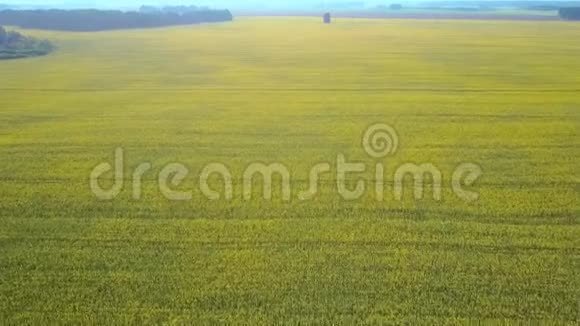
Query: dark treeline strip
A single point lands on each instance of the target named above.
(572, 13)
(99, 20)
(171, 9)
(14, 45)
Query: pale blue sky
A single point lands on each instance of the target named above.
(233, 4)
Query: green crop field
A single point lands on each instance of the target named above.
(504, 96)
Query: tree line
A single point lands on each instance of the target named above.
(98, 20)
(15, 45)
(171, 9)
(570, 13)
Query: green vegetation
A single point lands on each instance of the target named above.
(293, 90)
(91, 20)
(14, 45)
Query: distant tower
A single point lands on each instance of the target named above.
(326, 18)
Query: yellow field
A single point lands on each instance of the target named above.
(503, 95)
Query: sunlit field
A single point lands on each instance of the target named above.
(502, 95)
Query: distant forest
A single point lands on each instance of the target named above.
(570, 13)
(99, 20)
(14, 45)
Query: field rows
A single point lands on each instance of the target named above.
(502, 95)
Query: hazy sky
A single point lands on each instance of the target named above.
(210, 3)
(232, 4)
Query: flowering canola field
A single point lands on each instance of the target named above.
(503, 96)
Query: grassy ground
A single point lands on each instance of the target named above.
(504, 95)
